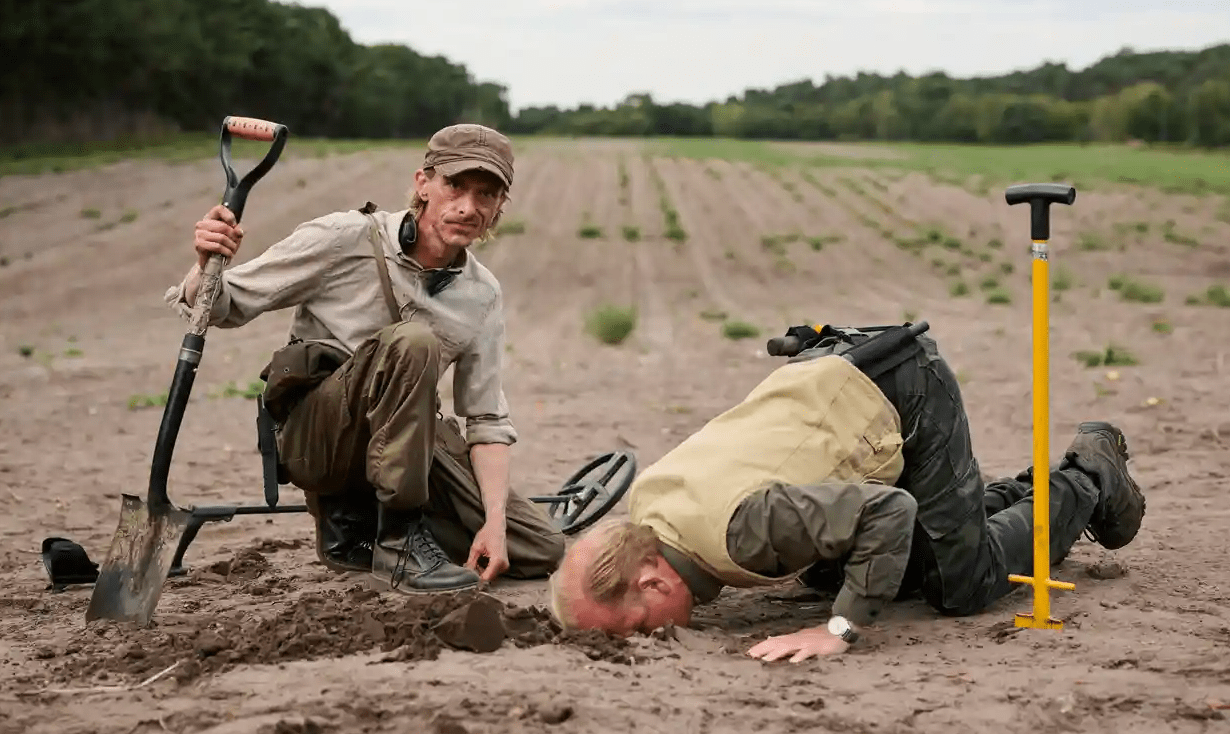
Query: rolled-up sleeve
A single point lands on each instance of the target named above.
(478, 383)
(286, 274)
(785, 529)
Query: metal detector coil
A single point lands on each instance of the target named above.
(591, 492)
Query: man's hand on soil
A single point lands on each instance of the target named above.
(491, 543)
(801, 645)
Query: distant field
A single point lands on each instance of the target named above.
(1171, 170)
(61, 157)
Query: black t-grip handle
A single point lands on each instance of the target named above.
(1040, 197)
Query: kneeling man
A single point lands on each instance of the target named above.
(819, 468)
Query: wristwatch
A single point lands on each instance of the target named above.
(840, 627)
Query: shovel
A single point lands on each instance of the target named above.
(130, 580)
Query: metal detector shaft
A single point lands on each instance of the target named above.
(219, 513)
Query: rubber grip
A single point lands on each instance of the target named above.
(783, 346)
(1051, 193)
(250, 128)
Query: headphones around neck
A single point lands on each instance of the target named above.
(407, 234)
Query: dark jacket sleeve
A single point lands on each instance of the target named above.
(784, 529)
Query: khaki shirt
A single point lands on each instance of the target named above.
(325, 270)
(799, 472)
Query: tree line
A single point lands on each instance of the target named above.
(190, 63)
(1166, 96)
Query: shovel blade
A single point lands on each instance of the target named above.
(130, 580)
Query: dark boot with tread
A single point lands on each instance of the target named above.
(407, 558)
(1100, 449)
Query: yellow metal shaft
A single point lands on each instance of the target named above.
(1041, 581)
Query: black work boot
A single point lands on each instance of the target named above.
(345, 531)
(1100, 450)
(407, 558)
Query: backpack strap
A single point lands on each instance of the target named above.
(374, 232)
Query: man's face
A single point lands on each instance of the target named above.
(459, 208)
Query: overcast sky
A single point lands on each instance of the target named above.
(566, 52)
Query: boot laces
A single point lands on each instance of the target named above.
(419, 540)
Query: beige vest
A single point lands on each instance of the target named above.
(808, 422)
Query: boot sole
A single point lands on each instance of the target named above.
(378, 584)
(1120, 443)
(340, 568)
(337, 567)
(1120, 440)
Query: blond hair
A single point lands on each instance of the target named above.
(418, 205)
(610, 558)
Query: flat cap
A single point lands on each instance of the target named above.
(468, 146)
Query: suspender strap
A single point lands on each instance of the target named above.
(386, 285)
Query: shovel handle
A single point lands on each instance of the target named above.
(234, 198)
(191, 350)
(251, 128)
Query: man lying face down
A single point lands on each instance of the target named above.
(821, 467)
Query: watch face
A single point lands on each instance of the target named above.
(838, 626)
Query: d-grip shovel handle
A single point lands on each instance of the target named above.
(193, 347)
(234, 198)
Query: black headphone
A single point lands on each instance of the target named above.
(407, 234)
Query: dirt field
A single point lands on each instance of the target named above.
(268, 641)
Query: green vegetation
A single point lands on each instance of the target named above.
(1168, 168)
(1091, 242)
(33, 158)
(1062, 279)
(1215, 295)
(255, 389)
(669, 215)
(739, 330)
(1170, 235)
(1135, 290)
(1111, 356)
(589, 231)
(137, 402)
(631, 233)
(1165, 97)
(1163, 327)
(818, 243)
(611, 324)
(191, 63)
(999, 295)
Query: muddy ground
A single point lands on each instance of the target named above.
(258, 637)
